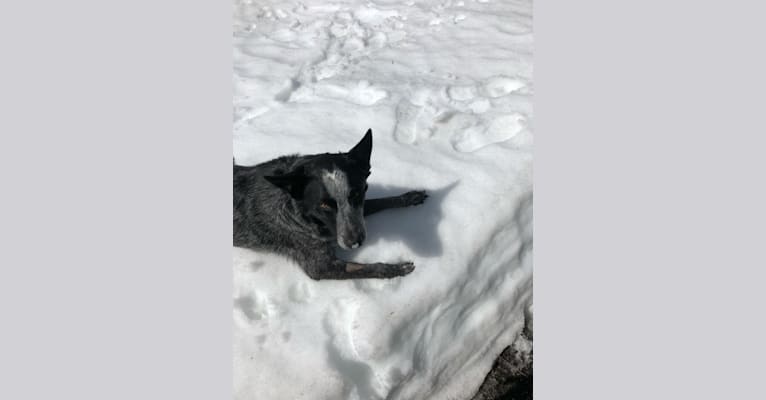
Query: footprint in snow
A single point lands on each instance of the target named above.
(245, 304)
(499, 86)
(284, 35)
(406, 116)
(300, 292)
(258, 307)
(365, 94)
(461, 93)
(378, 40)
(364, 382)
(362, 93)
(479, 136)
(413, 122)
(256, 265)
(291, 86)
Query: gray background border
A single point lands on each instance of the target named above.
(115, 269)
(115, 154)
(649, 200)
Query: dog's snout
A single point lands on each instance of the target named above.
(352, 241)
(358, 242)
(351, 229)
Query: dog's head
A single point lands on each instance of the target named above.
(329, 190)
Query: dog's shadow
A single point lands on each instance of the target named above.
(416, 227)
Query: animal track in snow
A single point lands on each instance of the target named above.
(374, 16)
(365, 94)
(378, 40)
(498, 130)
(406, 117)
(339, 324)
(362, 93)
(300, 292)
(479, 106)
(499, 86)
(461, 93)
(350, 36)
(256, 265)
(256, 307)
(413, 122)
(284, 35)
(463, 113)
(284, 94)
(245, 304)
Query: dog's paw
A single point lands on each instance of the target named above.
(394, 270)
(406, 267)
(414, 198)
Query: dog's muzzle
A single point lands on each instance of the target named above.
(349, 244)
(351, 240)
(351, 228)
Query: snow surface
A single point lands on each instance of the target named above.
(446, 87)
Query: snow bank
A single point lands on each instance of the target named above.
(446, 87)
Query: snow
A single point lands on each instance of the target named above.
(446, 87)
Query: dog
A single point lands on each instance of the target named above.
(302, 206)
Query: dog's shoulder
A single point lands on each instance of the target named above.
(277, 166)
(249, 183)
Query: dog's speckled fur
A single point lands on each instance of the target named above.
(302, 206)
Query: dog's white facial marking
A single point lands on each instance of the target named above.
(336, 183)
(349, 220)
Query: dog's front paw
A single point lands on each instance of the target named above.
(414, 198)
(394, 270)
(406, 268)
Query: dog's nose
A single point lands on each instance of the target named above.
(351, 240)
(358, 242)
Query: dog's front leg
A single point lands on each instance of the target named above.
(412, 198)
(340, 269)
(353, 270)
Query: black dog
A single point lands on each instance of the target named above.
(300, 206)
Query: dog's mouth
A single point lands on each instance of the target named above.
(350, 241)
(346, 247)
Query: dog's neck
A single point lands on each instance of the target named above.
(289, 213)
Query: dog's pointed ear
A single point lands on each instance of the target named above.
(363, 149)
(293, 182)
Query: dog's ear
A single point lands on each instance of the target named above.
(293, 182)
(363, 149)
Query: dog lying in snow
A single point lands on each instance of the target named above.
(301, 206)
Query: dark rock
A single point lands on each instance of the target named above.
(511, 375)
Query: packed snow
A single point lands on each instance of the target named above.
(446, 87)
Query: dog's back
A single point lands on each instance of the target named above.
(258, 204)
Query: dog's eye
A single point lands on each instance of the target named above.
(327, 204)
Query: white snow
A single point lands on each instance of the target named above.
(450, 107)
